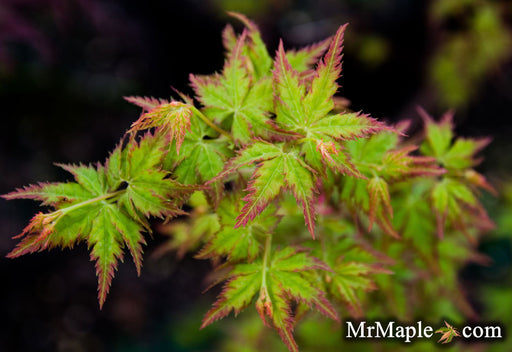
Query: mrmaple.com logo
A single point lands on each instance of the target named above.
(408, 333)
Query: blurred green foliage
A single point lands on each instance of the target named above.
(473, 40)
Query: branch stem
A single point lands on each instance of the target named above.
(211, 124)
(266, 258)
(66, 210)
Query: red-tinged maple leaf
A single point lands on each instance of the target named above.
(255, 48)
(105, 207)
(259, 151)
(380, 200)
(173, 118)
(36, 235)
(102, 224)
(454, 197)
(265, 185)
(276, 171)
(237, 98)
(280, 281)
(301, 180)
(303, 60)
(327, 151)
(324, 83)
(307, 109)
(146, 103)
(399, 164)
(288, 92)
(279, 171)
(329, 155)
(479, 181)
(229, 38)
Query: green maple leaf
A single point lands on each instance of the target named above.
(453, 154)
(104, 207)
(147, 186)
(110, 231)
(280, 280)
(277, 171)
(454, 197)
(236, 98)
(266, 184)
(306, 108)
(448, 333)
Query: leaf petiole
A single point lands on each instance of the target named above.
(66, 210)
(211, 124)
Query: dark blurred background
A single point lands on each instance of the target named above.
(65, 65)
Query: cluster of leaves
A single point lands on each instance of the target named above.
(284, 187)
